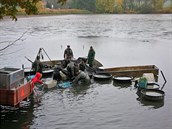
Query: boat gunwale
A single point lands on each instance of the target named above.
(135, 71)
(132, 68)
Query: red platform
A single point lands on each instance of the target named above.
(14, 96)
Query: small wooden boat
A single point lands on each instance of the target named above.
(134, 71)
(45, 72)
(49, 65)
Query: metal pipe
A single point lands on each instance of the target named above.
(46, 54)
(165, 81)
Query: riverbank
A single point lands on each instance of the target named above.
(48, 11)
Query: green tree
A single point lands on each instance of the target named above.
(157, 4)
(85, 4)
(120, 6)
(10, 7)
(105, 6)
(100, 6)
(146, 7)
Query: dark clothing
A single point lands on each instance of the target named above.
(65, 63)
(68, 53)
(82, 66)
(72, 69)
(37, 66)
(83, 77)
(56, 73)
(91, 55)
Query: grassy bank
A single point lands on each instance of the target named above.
(165, 11)
(78, 11)
(63, 11)
(57, 11)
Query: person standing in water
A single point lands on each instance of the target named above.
(91, 56)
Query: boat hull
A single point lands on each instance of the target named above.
(134, 71)
(49, 65)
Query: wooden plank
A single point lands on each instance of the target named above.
(135, 71)
(132, 68)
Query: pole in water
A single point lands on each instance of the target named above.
(22, 66)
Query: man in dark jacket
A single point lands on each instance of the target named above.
(37, 65)
(68, 53)
(91, 56)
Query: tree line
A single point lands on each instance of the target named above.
(112, 6)
(11, 7)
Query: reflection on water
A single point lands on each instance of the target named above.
(102, 81)
(80, 89)
(122, 84)
(17, 118)
(150, 104)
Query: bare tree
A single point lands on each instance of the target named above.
(9, 44)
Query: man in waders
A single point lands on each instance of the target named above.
(91, 56)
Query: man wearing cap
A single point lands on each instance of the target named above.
(68, 53)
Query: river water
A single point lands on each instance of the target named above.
(119, 40)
